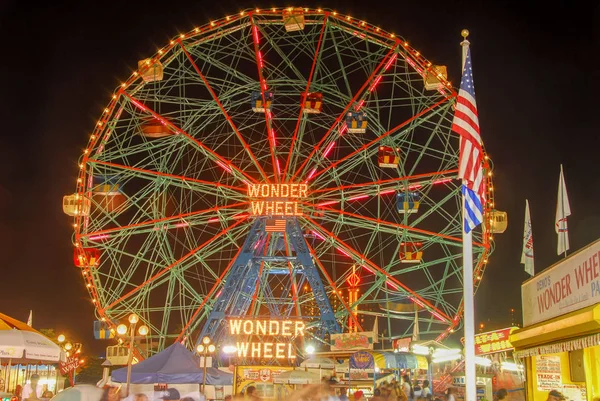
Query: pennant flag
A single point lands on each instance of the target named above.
(527, 253)
(30, 319)
(376, 329)
(563, 210)
(275, 226)
(466, 124)
(415, 335)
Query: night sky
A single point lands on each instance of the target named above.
(536, 71)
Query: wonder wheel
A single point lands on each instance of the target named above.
(290, 163)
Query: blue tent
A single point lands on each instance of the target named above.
(174, 365)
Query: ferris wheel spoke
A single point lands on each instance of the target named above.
(335, 288)
(263, 88)
(359, 257)
(377, 140)
(172, 265)
(381, 187)
(209, 153)
(390, 227)
(171, 222)
(194, 321)
(370, 83)
(178, 180)
(226, 115)
(316, 58)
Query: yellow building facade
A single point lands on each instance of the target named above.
(560, 341)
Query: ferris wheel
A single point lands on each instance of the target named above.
(284, 162)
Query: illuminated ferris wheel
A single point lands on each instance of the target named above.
(283, 163)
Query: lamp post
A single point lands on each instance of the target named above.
(122, 332)
(204, 349)
(72, 351)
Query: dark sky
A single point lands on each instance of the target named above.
(536, 71)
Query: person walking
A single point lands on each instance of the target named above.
(407, 388)
(32, 390)
(426, 392)
(501, 395)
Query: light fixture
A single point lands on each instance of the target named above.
(143, 330)
(133, 318)
(121, 329)
(68, 346)
(446, 358)
(229, 349)
(481, 361)
(420, 349)
(211, 348)
(511, 366)
(206, 340)
(61, 338)
(200, 348)
(310, 349)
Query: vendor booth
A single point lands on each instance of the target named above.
(25, 351)
(175, 367)
(559, 342)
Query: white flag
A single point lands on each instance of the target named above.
(415, 335)
(30, 319)
(563, 210)
(527, 253)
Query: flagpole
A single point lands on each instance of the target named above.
(468, 288)
(562, 203)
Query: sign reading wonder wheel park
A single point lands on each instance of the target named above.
(569, 285)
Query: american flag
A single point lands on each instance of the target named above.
(466, 124)
(275, 226)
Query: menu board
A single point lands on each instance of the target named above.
(548, 372)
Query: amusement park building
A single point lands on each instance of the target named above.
(561, 335)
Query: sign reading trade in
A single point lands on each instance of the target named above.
(267, 331)
(276, 199)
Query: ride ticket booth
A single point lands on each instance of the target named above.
(560, 340)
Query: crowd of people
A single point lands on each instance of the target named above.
(327, 390)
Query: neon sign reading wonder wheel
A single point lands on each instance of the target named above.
(277, 164)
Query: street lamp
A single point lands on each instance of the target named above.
(72, 351)
(122, 332)
(205, 348)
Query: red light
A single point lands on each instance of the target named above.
(328, 149)
(390, 61)
(375, 83)
(224, 166)
(314, 170)
(358, 197)
(368, 269)
(327, 203)
(394, 286)
(278, 168)
(255, 33)
(213, 220)
(98, 237)
(318, 235)
(342, 251)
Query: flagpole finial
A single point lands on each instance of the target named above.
(464, 33)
